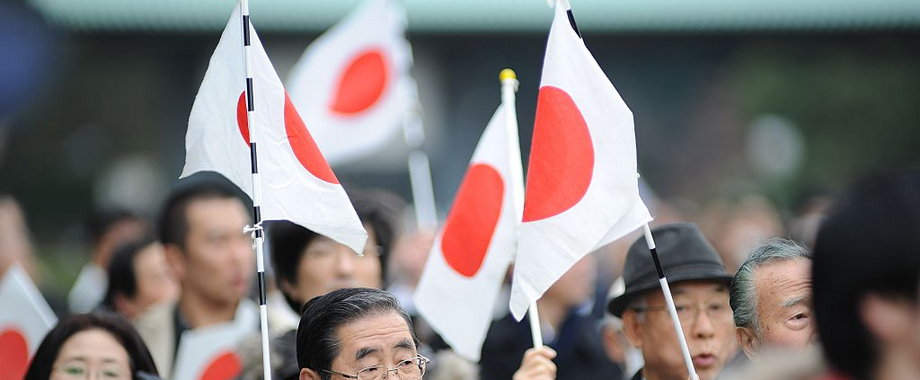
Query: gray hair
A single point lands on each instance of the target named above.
(743, 293)
(317, 342)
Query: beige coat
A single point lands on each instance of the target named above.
(157, 328)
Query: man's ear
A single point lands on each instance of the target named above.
(889, 319)
(748, 340)
(308, 374)
(633, 328)
(175, 258)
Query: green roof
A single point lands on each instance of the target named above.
(475, 16)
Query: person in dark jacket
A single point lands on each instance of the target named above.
(574, 336)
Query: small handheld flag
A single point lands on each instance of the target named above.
(353, 84)
(242, 101)
(25, 318)
(471, 254)
(582, 189)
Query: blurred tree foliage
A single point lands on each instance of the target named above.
(856, 99)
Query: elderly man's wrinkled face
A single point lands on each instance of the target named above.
(784, 313)
(706, 318)
(378, 340)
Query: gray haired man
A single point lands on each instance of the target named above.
(771, 297)
(357, 333)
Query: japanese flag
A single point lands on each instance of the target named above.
(471, 254)
(25, 318)
(297, 184)
(353, 83)
(209, 353)
(582, 188)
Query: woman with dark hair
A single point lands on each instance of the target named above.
(99, 343)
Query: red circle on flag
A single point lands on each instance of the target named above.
(304, 147)
(472, 219)
(242, 117)
(14, 355)
(362, 83)
(561, 156)
(227, 366)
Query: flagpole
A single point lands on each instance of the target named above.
(509, 83)
(426, 215)
(669, 301)
(662, 280)
(256, 229)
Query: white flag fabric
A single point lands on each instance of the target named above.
(353, 83)
(471, 254)
(582, 188)
(210, 353)
(25, 318)
(297, 183)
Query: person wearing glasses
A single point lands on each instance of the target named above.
(699, 285)
(98, 345)
(307, 264)
(358, 334)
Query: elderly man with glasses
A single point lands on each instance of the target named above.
(699, 284)
(357, 333)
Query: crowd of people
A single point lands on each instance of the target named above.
(841, 304)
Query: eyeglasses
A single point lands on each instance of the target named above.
(687, 311)
(409, 369)
(81, 371)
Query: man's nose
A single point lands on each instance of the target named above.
(345, 262)
(703, 326)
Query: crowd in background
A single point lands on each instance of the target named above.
(742, 275)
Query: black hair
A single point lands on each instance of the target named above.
(122, 278)
(317, 343)
(868, 244)
(172, 225)
(48, 351)
(102, 221)
(289, 241)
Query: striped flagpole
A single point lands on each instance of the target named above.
(669, 300)
(662, 280)
(257, 231)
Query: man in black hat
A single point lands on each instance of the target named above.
(699, 284)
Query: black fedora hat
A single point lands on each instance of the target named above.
(685, 255)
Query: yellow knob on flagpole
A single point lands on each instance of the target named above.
(506, 74)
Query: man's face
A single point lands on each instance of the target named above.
(382, 339)
(706, 319)
(217, 262)
(327, 265)
(783, 307)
